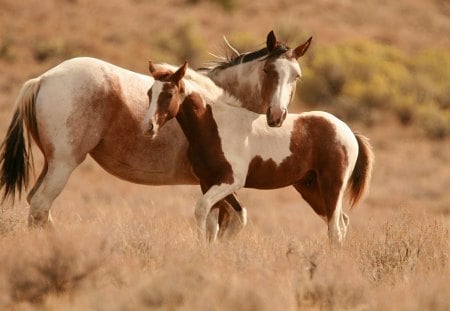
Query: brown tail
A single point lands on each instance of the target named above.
(362, 173)
(16, 157)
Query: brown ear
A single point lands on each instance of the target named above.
(151, 67)
(301, 49)
(179, 74)
(271, 41)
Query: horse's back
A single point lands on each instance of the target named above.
(90, 72)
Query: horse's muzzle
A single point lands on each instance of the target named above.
(275, 121)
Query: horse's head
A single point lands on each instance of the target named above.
(281, 72)
(165, 97)
(263, 80)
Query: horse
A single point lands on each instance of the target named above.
(88, 106)
(270, 77)
(231, 148)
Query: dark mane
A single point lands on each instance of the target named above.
(246, 57)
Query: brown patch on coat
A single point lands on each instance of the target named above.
(205, 148)
(269, 83)
(94, 109)
(249, 97)
(315, 167)
(167, 103)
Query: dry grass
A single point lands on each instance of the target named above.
(141, 258)
(119, 246)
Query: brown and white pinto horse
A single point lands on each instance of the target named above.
(231, 148)
(88, 106)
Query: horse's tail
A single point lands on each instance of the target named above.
(16, 158)
(362, 173)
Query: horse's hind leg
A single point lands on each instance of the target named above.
(49, 185)
(237, 217)
(337, 222)
(325, 194)
(311, 193)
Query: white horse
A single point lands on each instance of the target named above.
(88, 106)
(231, 148)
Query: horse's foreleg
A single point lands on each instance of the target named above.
(49, 185)
(212, 224)
(211, 197)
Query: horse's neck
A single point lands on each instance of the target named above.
(198, 125)
(243, 82)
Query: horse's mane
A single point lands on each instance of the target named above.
(196, 81)
(199, 79)
(239, 58)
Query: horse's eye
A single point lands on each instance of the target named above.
(265, 71)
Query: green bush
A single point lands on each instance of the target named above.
(6, 51)
(55, 48)
(433, 120)
(361, 79)
(244, 41)
(183, 43)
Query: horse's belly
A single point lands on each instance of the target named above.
(140, 159)
(266, 174)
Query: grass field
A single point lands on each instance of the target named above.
(121, 246)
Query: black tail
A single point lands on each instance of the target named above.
(15, 156)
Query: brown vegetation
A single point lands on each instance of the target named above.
(123, 246)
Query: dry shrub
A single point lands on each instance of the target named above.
(194, 287)
(10, 221)
(50, 262)
(325, 278)
(404, 247)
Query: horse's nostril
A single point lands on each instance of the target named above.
(285, 112)
(150, 128)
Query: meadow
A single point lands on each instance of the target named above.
(383, 67)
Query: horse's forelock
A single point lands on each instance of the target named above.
(161, 74)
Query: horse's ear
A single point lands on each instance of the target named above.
(179, 74)
(301, 49)
(151, 67)
(271, 41)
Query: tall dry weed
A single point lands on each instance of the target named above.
(403, 247)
